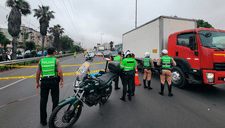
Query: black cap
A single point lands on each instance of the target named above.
(51, 50)
(119, 52)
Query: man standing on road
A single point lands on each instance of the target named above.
(148, 70)
(128, 65)
(75, 54)
(166, 71)
(50, 69)
(118, 59)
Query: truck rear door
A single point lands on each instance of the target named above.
(187, 48)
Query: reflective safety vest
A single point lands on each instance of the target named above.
(128, 64)
(48, 67)
(117, 59)
(147, 61)
(166, 62)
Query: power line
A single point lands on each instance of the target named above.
(62, 15)
(75, 17)
(70, 17)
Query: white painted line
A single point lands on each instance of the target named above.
(12, 83)
(23, 79)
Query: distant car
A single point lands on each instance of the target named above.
(91, 54)
(106, 54)
(113, 54)
(27, 54)
(21, 56)
(99, 54)
(40, 53)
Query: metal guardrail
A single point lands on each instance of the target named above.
(28, 59)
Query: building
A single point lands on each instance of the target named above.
(119, 47)
(33, 35)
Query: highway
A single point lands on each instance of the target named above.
(196, 106)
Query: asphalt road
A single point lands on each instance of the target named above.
(193, 107)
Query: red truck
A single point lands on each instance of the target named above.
(198, 52)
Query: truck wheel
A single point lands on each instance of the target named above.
(178, 78)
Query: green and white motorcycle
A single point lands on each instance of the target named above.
(89, 89)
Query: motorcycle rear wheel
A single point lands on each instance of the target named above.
(65, 116)
(107, 93)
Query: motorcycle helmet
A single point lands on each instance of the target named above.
(147, 54)
(164, 51)
(127, 53)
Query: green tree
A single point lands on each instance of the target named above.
(4, 41)
(67, 42)
(202, 23)
(30, 45)
(18, 7)
(56, 32)
(111, 45)
(45, 16)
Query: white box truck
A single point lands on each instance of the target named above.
(153, 36)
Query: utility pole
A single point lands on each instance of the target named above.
(136, 14)
(82, 42)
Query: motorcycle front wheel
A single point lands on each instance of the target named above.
(65, 116)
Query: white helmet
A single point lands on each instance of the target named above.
(127, 53)
(164, 51)
(147, 54)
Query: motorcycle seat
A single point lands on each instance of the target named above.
(105, 78)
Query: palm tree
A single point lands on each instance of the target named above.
(45, 16)
(56, 32)
(14, 21)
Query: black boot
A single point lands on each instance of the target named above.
(144, 81)
(123, 98)
(162, 89)
(149, 84)
(170, 90)
(129, 97)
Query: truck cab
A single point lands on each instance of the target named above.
(200, 56)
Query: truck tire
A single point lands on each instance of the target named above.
(178, 77)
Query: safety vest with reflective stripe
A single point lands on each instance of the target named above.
(128, 64)
(166, 62)
(147, 61)
(117, 59)
(48, 67)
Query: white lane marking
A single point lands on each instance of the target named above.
(23, 79)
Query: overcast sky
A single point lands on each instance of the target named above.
(91, 18)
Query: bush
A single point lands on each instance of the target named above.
(33, 53)
(18, 52)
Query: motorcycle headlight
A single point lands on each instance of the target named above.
(210, 77)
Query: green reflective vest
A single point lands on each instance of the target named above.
(146, 61)
(117, 59)
(75, 53)
(128, 64)
(48, 67)
(166, 62)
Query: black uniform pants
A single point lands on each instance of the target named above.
(46, 86)
(117, 79)
(127, 82)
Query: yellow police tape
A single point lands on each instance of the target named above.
(31, 66)
(22, 77)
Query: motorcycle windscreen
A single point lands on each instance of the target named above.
(81, 72)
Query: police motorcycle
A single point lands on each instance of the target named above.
(89, 89)
(89, 58)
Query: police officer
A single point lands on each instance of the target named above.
(128, 65)
(75, 54)
(166, 63)
(148, 68)
(50, 69)
(118, 59)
